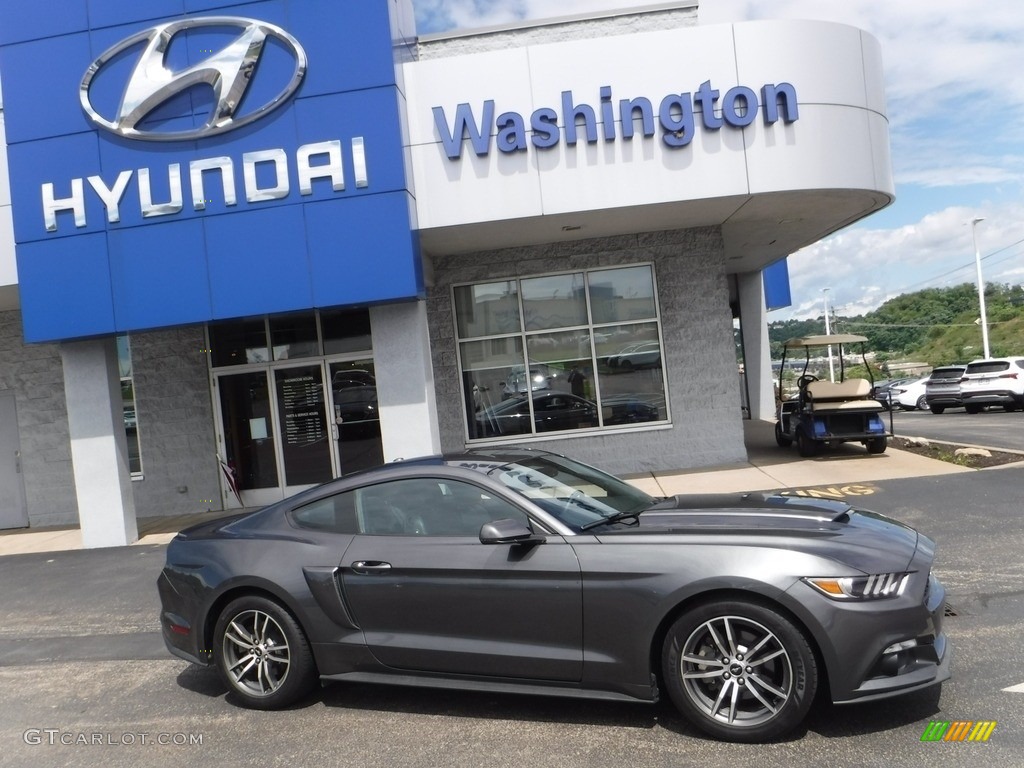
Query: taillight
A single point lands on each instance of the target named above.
(1008, 375)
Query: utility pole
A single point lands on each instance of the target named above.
(981, 286)
(828, 332)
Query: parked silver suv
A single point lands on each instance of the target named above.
(942, 389)
(997, 381)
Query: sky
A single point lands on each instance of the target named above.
(955, 103)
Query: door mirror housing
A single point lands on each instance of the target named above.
(508, 531)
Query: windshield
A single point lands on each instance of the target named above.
(574, 493)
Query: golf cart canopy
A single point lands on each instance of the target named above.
(824, 341)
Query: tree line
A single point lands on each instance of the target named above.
(938, 326)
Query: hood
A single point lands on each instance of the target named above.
(862, 539)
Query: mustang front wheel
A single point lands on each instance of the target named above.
(739, 671)
(262, 653)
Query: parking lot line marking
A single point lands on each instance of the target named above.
(1015, 688)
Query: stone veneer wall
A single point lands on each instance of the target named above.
(176, 425)
(693, 295)
(36, 376)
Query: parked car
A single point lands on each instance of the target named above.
(519, 382)
(645, 355)
(521, 570)
(553, 411)
(910, 396)
(882, 390)
(942, 390)
(996, 381)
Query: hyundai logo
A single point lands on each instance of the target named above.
(229, 72)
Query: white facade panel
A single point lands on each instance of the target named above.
(881, 151)
(5, 179)
(823, 61)
(838, 141)
(450, 193)
(500, 75)
(651, 64)
(8, 263)
(638, 171)
(829, 148)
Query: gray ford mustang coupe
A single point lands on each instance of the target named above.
(524, 571)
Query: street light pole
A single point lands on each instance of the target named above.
(828, 332)
(981, 286)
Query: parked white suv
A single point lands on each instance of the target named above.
(997, 381)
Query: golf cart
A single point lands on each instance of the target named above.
(825, 413)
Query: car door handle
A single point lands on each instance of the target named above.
(370, 566)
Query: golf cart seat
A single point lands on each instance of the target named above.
(852, 394)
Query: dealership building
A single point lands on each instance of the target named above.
(246, 247)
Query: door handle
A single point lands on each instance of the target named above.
(366, 567)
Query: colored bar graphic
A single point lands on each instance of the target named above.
(958, 730)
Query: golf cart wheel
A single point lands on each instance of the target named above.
(781, 438)
(877, 445)
(805, 446)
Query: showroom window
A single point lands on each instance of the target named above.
(561, 352)
(131, 420)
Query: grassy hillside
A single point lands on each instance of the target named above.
(937, 326)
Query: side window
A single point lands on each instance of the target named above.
(429, 507)
(336, 514)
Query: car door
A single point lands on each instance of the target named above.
(430, 597)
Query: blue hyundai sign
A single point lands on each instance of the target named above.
(179, 161)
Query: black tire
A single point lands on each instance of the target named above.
(703, 664)
(781, 438)
(877, 445)
(937, 408)
(922, 403)
(262, 654)
(805, 446)
(1010, 407)
(972, 408)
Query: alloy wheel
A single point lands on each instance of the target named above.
(736, 671)
(256, 653)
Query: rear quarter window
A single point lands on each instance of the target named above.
(993, 366)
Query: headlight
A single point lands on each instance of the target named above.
(879, 586)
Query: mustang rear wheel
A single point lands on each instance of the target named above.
(262, 653)
(739, 671)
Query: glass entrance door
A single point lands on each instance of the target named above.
(356, 415)
(249, 455)
(288, 427)
(306, 451)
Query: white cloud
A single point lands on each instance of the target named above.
(865, 267)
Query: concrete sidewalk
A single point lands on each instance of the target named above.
(768, 467)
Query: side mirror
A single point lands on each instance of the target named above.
(508, 531)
